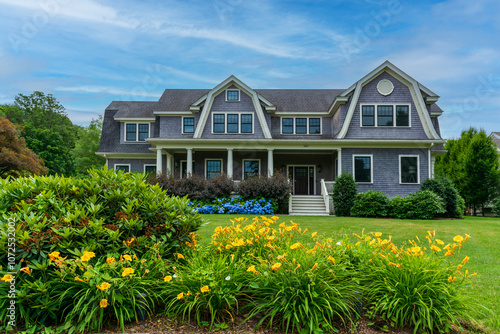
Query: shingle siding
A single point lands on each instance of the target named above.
(171, 126)
(136, 165)
(386, 169)
(245, 105)
(402, 95)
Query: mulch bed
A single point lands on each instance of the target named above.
(164, 325)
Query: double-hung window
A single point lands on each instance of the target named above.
(219, 123)
(368, 115)
(287, 125)
(233, 123)
(213, 168)
(251, 168)
(136, 131)
(385, 116)
(246, 123)
(363, 168)
(409, 169)
(188, 125)
(402, 116)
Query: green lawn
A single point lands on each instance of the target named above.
(483, 247)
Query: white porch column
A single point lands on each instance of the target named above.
(230, 162)
(170, 159)
(339, 160)
(189, 168)
(270, 163)
(159, 167)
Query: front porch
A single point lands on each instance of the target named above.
(305, 169)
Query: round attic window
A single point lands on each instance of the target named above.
(385, 87)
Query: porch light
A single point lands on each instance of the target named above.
(319, 168)
(282, 168)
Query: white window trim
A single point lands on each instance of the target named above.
(221, 165)
(243, 167)
(180, 167)
(239, 123)
(148, 165)
(393, 105)
(182, 125)
(354, 156)
(136, 132)
(418, 167)
(232, 90)
(128, 165)
(307, 126)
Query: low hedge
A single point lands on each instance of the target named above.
(424, 204)
(109, 212)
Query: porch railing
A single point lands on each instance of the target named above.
(325, 194)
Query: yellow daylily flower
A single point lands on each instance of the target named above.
(104, 286)
(7, 278)
(127, 257)
(252, 269)
(331, 259)
(314, 234)
(103, 303)
(180, 256)
(167, 278)
(435, 248)
(296, 245)
(465, 260)
(26, 270)
(54, 256)
(458, 238)
(276, 266)
(87, 256)
(127, 271)
(205, 289)
(110, 260)
(180, 295)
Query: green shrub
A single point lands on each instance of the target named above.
(344, 192)
(444, 188)
(195, 187)
(108, 212)
(276, 188)
(370, 204)
(423, 204)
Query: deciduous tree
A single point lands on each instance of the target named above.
(15, 158)
(86, 145)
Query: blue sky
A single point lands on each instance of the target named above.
(88, 53)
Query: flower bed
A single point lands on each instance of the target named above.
(277, 272)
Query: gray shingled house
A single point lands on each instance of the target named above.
(383, 129)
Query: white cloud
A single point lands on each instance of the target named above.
(108, 90)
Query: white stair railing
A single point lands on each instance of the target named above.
(326, 196)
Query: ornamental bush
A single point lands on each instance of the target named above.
(235, 205)
(423, 204)
(344, 192)
(371, 204)
(195, 187)
(107, 212)
(276, 188)
(444, 188)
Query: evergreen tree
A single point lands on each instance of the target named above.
(344, 192)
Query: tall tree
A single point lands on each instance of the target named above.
(472, 163)
(86, 145)
(15, 158)
(47, 129)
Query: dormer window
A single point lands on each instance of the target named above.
(233, 95)
(136, 131)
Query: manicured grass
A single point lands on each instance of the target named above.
(483, 247)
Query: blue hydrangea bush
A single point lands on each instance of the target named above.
(235, 206)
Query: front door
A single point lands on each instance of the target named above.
(302, 178)
(301, 181)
